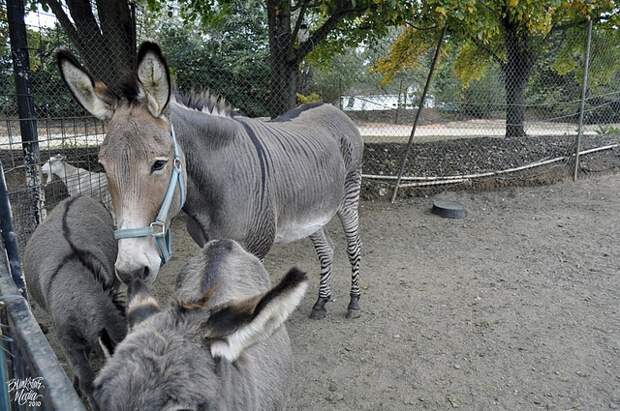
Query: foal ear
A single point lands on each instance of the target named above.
(154, 76)
(141, 303)
(236, 326)
(89, 94)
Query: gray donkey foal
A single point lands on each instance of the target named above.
(69, 269)
(221, 346)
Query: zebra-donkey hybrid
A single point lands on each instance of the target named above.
(257, 182)
(222, 345)
(69, 271)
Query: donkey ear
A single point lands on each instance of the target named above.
(236, 326)
(141, 303)
(90, 95)
(154, 76)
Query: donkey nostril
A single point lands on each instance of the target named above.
(145, 273)
(122, 276)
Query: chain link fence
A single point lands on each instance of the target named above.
(68, 138)
(461, 125)
(459, 135)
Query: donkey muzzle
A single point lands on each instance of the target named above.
(127, 277)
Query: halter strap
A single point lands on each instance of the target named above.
(157, 228)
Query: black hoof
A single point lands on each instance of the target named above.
(318, 310)
(353, 311)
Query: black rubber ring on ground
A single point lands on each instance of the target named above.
(448, 209)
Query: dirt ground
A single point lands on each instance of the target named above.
(514, 307)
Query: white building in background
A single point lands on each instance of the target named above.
(379, 102)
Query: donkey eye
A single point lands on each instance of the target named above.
(158, 165)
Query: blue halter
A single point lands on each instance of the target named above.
(157, 228)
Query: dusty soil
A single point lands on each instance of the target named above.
(514, 307)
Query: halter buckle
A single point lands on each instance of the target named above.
(158, 229)
(177, 163)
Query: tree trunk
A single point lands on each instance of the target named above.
(284, 65)
(516, 72)
(106, 44)
(284, 76)
(285, 57)
(515, 81)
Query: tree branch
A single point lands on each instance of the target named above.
(64, 20)
(489, 9)
(85, 21)
(321, 33)
(413, 26)
(302, 3)
(487, 50)
(574, 23)
(117, 28)
(299, 21)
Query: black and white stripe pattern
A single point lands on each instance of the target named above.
(349, 217)
(325, 252)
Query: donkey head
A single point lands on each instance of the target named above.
(138, 153)
(179, 358)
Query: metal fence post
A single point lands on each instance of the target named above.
(9, 237)
(30, 352)
(417, 114)
(5, 401)
(25, 105)
(584, 92)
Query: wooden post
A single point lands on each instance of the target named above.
(584, 93)
(403, 162)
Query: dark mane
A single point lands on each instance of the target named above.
(206, 102)
(127, 88)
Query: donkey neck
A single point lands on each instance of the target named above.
(201, 135)
(199, 127)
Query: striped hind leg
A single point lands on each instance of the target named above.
(325, 252)
(349, 217)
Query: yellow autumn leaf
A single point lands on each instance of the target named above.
(403, 54)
